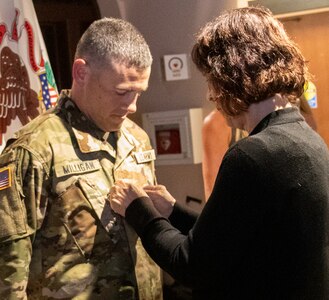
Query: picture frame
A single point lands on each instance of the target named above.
(175, 135)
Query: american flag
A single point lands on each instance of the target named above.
(20, 32)
(5, 180)
(49, 94)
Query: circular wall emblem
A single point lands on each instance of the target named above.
(175, 64)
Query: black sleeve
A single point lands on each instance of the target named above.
(220, 236)
(160, 238)
(183, 218)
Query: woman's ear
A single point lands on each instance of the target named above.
(79, 71)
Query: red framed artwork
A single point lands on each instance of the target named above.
(168, 140)
(175, 135)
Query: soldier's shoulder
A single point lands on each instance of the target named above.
(46, 125)
(39, 133)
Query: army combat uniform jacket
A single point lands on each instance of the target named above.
(59, 238)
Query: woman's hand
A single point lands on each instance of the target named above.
(161, 198)
(122, 194)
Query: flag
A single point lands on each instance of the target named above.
(27, 84)
(5, 178)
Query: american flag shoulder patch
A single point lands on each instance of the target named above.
(5, 178)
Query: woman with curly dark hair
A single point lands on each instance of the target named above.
(247, 58)
(264, 232)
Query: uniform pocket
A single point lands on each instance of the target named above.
(83, 207)
(79, 219)
(12, 209)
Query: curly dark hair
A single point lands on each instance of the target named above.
(246, 56)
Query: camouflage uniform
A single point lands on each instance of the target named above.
(59, 238)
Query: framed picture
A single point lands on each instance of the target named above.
(175, 135)
(167, 138)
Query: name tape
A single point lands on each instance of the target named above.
(144, 156)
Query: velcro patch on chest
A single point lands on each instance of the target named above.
(144, 156)
(77, 167)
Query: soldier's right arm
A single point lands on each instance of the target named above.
(22, 206)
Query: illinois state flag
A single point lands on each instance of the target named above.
(27, 84)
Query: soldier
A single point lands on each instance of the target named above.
(59, 238)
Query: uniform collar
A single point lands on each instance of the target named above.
(76, 118)
(89, 137)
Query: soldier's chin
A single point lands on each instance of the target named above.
(114, 127)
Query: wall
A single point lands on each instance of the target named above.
(284, 7)
(169, 27)
(311, 33)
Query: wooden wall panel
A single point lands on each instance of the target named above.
(311, 33)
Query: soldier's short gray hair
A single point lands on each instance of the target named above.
(114, 40)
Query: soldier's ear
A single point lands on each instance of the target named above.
(79, 70)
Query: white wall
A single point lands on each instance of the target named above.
(169, 26)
